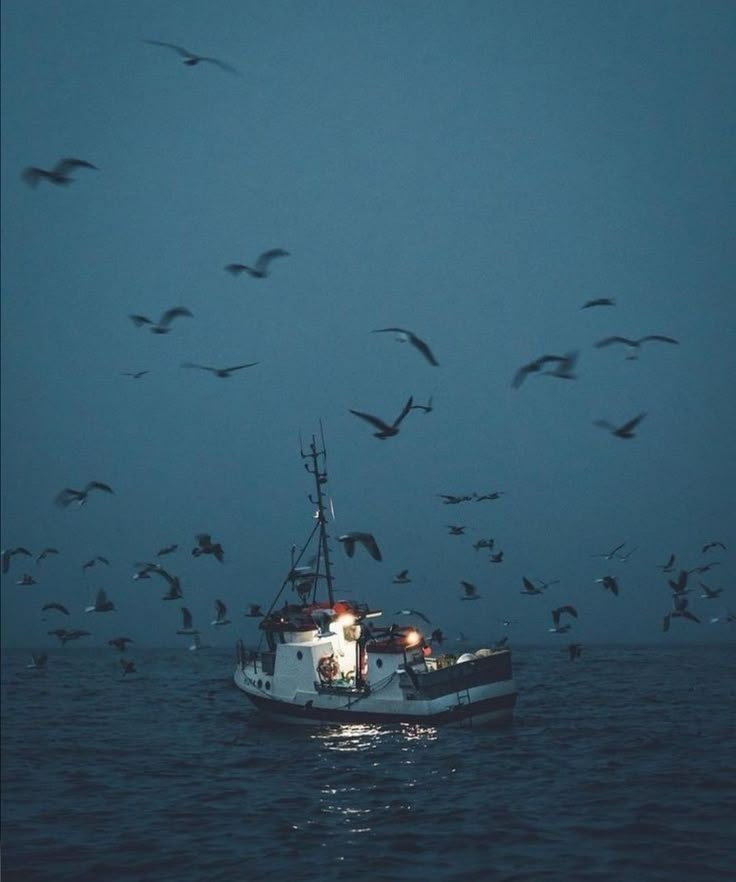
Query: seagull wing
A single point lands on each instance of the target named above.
(239, 367)
(70, 162)
(404, 412)
(423, 348)
(139, 320)
(659, 337)
(174, 312)
(220, 64)
(201, 367)
(98, 485)
(373, 420)
(180, 49)
(368, 540)
(568, 609)
(607, 341)
(627, 427)
(265, 259)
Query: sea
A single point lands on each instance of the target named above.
(619, 765)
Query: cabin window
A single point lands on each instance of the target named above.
(379, 662)
(268, 685)
(259, 684)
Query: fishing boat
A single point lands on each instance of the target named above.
(324, 660)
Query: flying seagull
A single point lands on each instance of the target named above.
(186, 627)
(218, 372)
(669, 566)
(610, 584)
(564, 368)
(402, 578)
(530, 587)
(8, 553)
(262, 264)
(45, 553)
(58, 606)
(625, 431)
(599, 301)
(136, 375)
(497, 557)
(384, 429)
(120, 642)
(26, 579)
(205, 545)
(220, 614)
(101, 603)
(709, 545)
(412, 612)
(59, 174)
(470, 591)
(680, 611)
(191, 59)
(609, 555)
(427, 408)
(164, 322)
(93, 561)
(634, 345)
(128, 666)
(533, 367)
(69, 495)
(405, 336)
(556, 613)
(455, 529)
(367, 540)
(254, 611)
(38, 661)
(709, 593)
(167, 549)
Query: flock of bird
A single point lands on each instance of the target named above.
(558, 366)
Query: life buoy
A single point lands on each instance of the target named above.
(328, 668)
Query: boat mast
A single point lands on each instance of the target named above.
(320, 478)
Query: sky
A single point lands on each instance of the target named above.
(473, 172)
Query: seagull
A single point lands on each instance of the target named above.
(530, 587)
(166, 319)
(556, 613)
(101, 604)
(93, 561)
(128, 667)
(544, 585)
(220, 614)
(261, 268)
(625, 431)
(254, 611)
(120, 642)
(680, 586)
(412, 612)
(482, 497)
(205, 545)
(497, 557)
(610, 584)
(402, 578)
(69, 495)
(219, 372)
(174, 592)
(405, 336)
(599, 301)
(709, 593)
(186, 627)
(450, 499)
(680, 611)
(669, 566)
(532, 368)
(437, 636)
(609, 555)
(471, 591)
(703, 568)
(38, 661)
(191, 59)
(427, 408)
(709, 545)
(575, 650)
(384, 429)
(484, 543)
(634, 345)
(625, 557)
(136, 375)
(26, 579)
(58, 606)
(565, 367)
(367, 540)
(455, 529)
(59, 174)
(167, 549)
(45, 553)
(8, 553)
(65, 636)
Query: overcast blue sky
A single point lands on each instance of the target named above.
(472, 171)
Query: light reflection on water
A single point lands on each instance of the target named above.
(355, 737)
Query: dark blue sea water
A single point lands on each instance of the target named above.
(619, 766)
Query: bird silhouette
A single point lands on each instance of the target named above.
(120, 642)
(59, 174)
(164, 323)
(219, 372)
(220, 614)
(709, 545)
(556, 613)
(609, 555)
(191, 59)
(205, 545)
(167, 549)
(45, 553)
(38, 661)
(427, 408)
(101, 603)
(57, 606)
(367, 540)
(533, 367)
(90, 563)
(402, 578)
(709, 593)
(261, 269)
(624, 431)
(8, 553)
(598, 301)
(136, 375)
(254, 611)
(564, 368)
(68, 495)
(26, 579)
(128, 666)
(187, 623)
(610, 584)
(470, 591)
(384, 429)
(405, 336)
(634, 345)
(530, 587)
